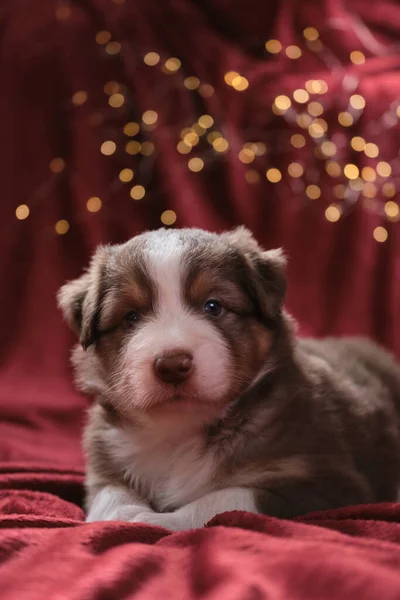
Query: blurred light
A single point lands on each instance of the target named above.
(149, 117)
(191, 83)
(391, 209)
(333, 168)
(196, 164)
(168, 217)
(111, 87)
(356, 184)
(191, 138)
(371, 150)
(293, 52)
(57, 165)
(295, 169)
(282, 102)
(328, 148)
(206, 90)
(220, 144)
(230, 76)
(79, 98)
(273, 175)
(339, 191)
(116, 100)
(172, 64)
(252, 176)
(131, 129)
(273, 46)
(311, 34)
(333, 213)
(107, 148)
(357, 102)
(357, 57)
(126, 175)
(133, 147)
(351, 171)
(297, 140)
(389, 189)
(93, 204)
(151, 59)
(147, 148)
(384, 169)
(313, 192)
(206, 121)
(137, 192)
(183, 148)
(315, 109)
(303, 120)
(345, 119)
(113, 48)
(316, 130)
(301, 96)
(380, 234)
(103, 37)
(368, 174)
(369, 190)
(61, 226)
(246, 155)
(240, 83)
(22, 212)
(358, 143)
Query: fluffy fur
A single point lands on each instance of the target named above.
(263, 422)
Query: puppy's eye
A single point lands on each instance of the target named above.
(131, 317)
(212, 308)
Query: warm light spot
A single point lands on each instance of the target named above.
(220, 144)
(322, 123)
(230, 76)
(315, 46)
(93, 204)
(133, 147)
(61, 226)
(206, 121)
(311, 34)
(368, 174)
(357, 102)
(172, 64)
(384, 169)
(297, 140)
(147, 148)
(356, 184)
(240, 83)
(126, 175)
(196, 164)
(168, 217)
(380, 234)
(316, 130)
(303, 120)
(213, 135)
(246, 155)
(313, 192)
(398, 111)
(282, 102)
(351, 171)
(333, 168)
(206, 90)
(191, 138)
(149, 117)
(358, 143)
(198, 129)
(57, 165)
(273, 175)
(259, 148)
(293, 52)
(131, 129)
(369, 190)
(116, 100)
(301, 96)
(345, 119)
(137, 192)
(392, 209)
(273, 46)
(333, 213)
(79, 98)
(389, 189)
(315, 109)
(22, 212)
(323, 86)
(371, 150)
(111, 87)
(113, 48)
(357, 57)
(328, 148)
(339, 191)
(295, 169)
(183, 148)
(191, 83)
(313, 86)
(107, 148)
(103, 37)
(151, 59)
(252, 176)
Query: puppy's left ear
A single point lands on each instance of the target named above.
(264, 272)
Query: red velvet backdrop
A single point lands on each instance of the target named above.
(105, 113)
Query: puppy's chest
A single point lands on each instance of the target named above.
(167, 473)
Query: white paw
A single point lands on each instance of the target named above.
(126, 512)
(167, 520)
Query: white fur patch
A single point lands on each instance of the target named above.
(113, 503)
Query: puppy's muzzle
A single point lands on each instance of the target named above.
(174, 368)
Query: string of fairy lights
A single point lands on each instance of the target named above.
(301, 111)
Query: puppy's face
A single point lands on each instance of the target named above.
(175, 318)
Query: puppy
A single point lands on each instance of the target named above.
(206, 401)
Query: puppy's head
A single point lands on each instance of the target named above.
(175, 318)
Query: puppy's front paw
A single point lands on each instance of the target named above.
(166, 520)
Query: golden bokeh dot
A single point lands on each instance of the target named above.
(230, 76)
(303, 120)
(197, 128)
(172, 64)
(315, 109)
(371, 150)
(111, 87)
(183, 148)
(345, 119)
(351, 171)
(147, 148)
(116, 100)
(93, 204)
(368, 174)
(126, 175)
(392, 210)
(297, 140)
(301, 96)
(328, 148)
(246, 155)
(357, 57)
(213, 135)
(333, 213)
(151, 59)
(206, 90)
(316, 130)
(358, 143)
(137, 192)
(295, 169)
(191, 83)
(61, 226)
(133, 147)
(191, 138)
(293, 52)
(389, 189)
(195, 164)
(273, 175)
(311, 34)
(22, 212)
(323, 86)
(107, 148)
(383, 169)
(103, 37)
(315, 45)
(79, 98)
(259, 148)
(220, 144)
(282, 102)
(273, 46)
(357, 101)
(168, 217)
(369, 190)
(240, 83)
(313, 191)
(113, 48)
(149, 117)
(57, 165)
(322, 123)
(131, 129)
(252, 176)
(356, 184)
(380, 234)
(333, 168)
(206, 121)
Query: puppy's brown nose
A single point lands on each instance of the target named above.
(174, 368)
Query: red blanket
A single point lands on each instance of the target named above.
(98, 109)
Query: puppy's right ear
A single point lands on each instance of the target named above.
(79, 300)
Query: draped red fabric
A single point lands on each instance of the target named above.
(105, 113)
